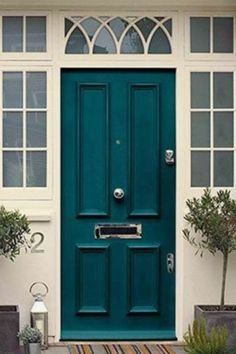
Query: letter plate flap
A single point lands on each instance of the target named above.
(103, 231)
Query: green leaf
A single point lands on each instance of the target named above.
(14, 227)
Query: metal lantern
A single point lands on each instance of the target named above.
(39, 313)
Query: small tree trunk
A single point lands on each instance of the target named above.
(225, 266)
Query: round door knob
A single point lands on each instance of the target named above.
(118, 193)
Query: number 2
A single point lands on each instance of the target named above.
(37, 237)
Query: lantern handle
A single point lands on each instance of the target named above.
(37, 294)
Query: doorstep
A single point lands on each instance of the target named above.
(62, 347)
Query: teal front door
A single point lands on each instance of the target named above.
(118, 204)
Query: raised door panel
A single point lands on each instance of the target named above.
(92, 280)
(144, 176)
(92, 149)
(143, 279)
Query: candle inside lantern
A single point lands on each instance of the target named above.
(39, 315)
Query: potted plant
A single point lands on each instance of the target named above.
(212, 218)
(198, 341)
(13, 230)
(32, 339)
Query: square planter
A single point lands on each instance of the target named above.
(9, 328)
(214, 317)
(32, 348)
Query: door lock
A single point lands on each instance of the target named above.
(170, 262)
(169, 157)
(119, 193)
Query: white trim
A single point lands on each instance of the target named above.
(38, 216)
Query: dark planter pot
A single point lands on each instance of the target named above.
(9, 328)
(32, 348)
(214, 317)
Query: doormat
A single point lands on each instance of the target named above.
(121, 349)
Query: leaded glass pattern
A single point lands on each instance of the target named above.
(118, 35)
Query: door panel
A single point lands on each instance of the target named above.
(116, 126)
(143, 282)
(144, 136)
(90, 183)
(92, 292)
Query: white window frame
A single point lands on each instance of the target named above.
(28, 55)
(211, 149)
(29, 193)
(208, 56)
(113, 57)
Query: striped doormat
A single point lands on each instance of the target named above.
(137, 348)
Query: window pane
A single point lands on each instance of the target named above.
(200, 90)
(168, 26)
(223, 90)
(36, 169)
(36, 129)
(223, 169)
(223, 34)
(118, 26)
(200, 169)
(35, 34)
(200, 34)
(36, 90)
(12, 169)
(68, 25)
(12, 129)
(160, 43)
(200, 129)
(12, 90)
(132, 43)
(104, 43)
(146, 25)
(223, 129)
(90, 25)
(77, 43)
(12, 36)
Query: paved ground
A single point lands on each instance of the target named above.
(64, 350)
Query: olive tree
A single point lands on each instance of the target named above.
(213, 220)
(13, 230)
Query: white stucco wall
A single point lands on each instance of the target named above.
(16, 277)
(198, 279)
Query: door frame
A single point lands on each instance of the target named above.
(120, 67)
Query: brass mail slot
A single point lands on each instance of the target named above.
(126, 231)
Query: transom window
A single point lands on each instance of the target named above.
(24, 129)
(24, 34)
(212, 129)
(212, 34)
(118, 35)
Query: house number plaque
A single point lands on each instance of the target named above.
(37, 239)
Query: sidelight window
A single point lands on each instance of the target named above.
(24, 129)
(212, 129)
